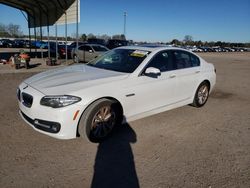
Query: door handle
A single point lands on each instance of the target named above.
(172, 76)
(197, 71)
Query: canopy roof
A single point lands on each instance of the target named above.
(41, 12)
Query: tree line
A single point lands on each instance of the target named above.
(106, 37)
(14, 31)
(188, 41)
(10, 30)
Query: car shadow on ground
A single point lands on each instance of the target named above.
(31, 65)
(114, 163)
(34, 65)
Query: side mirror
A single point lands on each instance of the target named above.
(90, 51)
(152, 72)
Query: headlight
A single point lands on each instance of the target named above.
(59, 101)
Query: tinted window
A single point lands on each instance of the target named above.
(99, 48)
(81, 48)
(96, 41)
(162, 61)
(185, 59)
(182, 60)
(73, 45)
(85, 48)
(195, 60)
(116, 43)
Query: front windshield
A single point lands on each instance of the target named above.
(121, 60)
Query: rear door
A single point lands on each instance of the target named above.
(88, 53)
(80, 53)
(187, 74)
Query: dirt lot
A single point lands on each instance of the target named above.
(186, 147)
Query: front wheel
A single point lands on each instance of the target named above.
(99, 120)
(201, 95)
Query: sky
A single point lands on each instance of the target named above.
(156, 21)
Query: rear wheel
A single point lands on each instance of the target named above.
(17, 66)
(75, 58)
(99, 120)
(201, 95)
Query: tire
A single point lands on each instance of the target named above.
(75, 58)
(201, 95)
(27, 65)
(17, 66)
(99, 120)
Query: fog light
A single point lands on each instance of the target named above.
(52, 127)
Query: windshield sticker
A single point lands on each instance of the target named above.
(139, 53)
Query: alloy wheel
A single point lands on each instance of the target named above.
(203, 94)
(103, 122)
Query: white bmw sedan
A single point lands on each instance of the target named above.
(124, 84)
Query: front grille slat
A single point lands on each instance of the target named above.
(27, 99)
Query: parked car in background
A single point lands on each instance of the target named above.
(242, 50)
(96, 41)
(114, 43)
(207, 49)
(53, 52)
(62, 51)
(227, 49)
(39, 44)
(27, 43)
(69, 49)
(1, 43)
(198, 49)
(61, 48)
(19, 43)
(123, 85)
(6, 43)
(87, 52)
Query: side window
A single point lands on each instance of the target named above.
(81, 48)
(87, 48)
(162, 61)
(195, 60)
(182, 59)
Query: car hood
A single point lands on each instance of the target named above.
(72, 78)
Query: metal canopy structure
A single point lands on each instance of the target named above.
(41, 12)
(47, 13)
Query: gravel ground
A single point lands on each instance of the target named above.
(185, 147)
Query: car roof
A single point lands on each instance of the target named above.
(151, 48)
(89, 44)
(94, 44)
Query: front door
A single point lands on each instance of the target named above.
(150, 93)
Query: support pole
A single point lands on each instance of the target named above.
(56, 42)
(48, 42)
(77, 34)
(41, 38)
(66, 38)
(125, 20)
(27, 19)
(29, 41)
(35, 42)
(29, 36)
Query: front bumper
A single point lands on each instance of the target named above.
(48, 126)
(59, 123)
